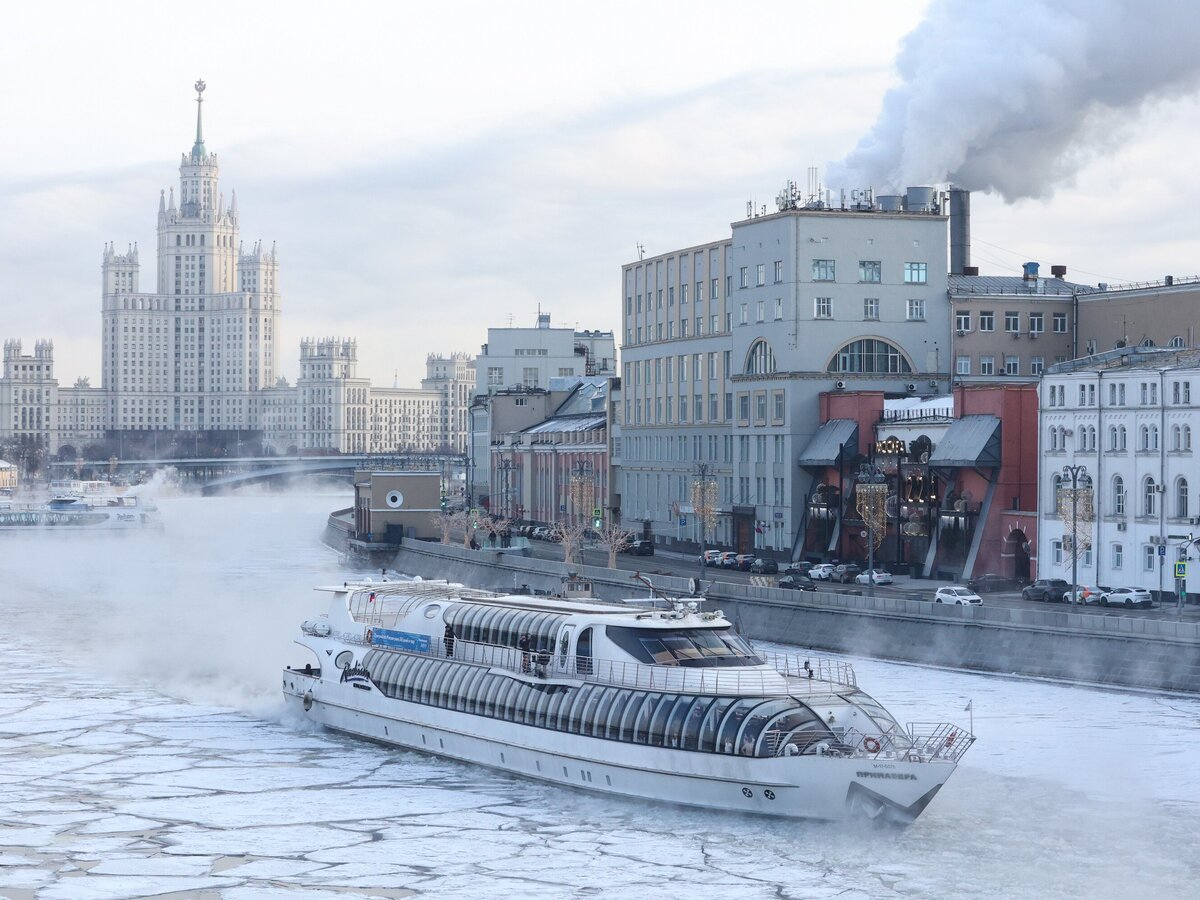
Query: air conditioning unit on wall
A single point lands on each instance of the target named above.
(840, 385)
(1121, 526)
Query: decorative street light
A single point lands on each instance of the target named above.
(704, 502)
(871, 494)
(1078, 520)
(583, 487)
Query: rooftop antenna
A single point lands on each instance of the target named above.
(395, 378)
(510, 318)
(641, 249)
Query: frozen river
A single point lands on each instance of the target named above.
(144, 751)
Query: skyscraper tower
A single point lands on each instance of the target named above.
(193, 354)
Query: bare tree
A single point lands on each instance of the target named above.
(570, 535)
(493, 527)
(616, 539)
(450, 522)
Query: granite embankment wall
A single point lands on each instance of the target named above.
(1130, 651)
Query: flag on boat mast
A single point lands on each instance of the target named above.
(371, 599)
(968, 708)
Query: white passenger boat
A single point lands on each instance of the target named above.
(629, 699)
(96, 513)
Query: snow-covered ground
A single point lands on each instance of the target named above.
(144, 751)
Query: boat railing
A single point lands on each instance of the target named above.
(787, 675)
(919, 742)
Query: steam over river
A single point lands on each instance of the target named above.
(144, 751)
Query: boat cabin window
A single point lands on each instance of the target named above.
(684, 646)
(343, 659)
(583, 652)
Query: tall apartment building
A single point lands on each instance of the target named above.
(29, 395)
(1126, 418)
(453, 378)
(729, 344)
(194, 353)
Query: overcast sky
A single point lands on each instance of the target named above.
(430, 170)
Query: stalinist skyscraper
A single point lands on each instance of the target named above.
(194, 354)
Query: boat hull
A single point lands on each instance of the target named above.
(810, 786)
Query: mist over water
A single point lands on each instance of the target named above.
(142, 727)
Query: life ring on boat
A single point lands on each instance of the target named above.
(871, 745)
(370, 633)
(307, 700)
(951, 738)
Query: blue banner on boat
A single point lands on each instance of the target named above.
(400, 640)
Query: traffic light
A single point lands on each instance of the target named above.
(597, 522)
(445, 502)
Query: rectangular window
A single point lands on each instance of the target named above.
(987, 365)
(1012, 322)
(1012, 365)
(729, 320)
(529, 378)
(823, 308)
(916, 273)
(698, 412)
(760, 311)
(1148, 554)
(699, 291)
(683, 293)
(495, 376)
(987, 321)
(962, 321)
(743, 318)
(744, 277)
(683, 407)
(778, 308)
(714, 289)
(871, 309)
(962, 365)
(1118, 556)
(916, 310)
(870, 271)
(728, 415)
(1056, 552)
(760, 413)
(671, 296)
(744, 407)
(1037, 323)
(714, 325)
(779, 271)
(714, 411)
(760, 275)
(683, 327)
(823, 270)
(1037, 365)
(1060, 323)
(728, 285)
(778, 414)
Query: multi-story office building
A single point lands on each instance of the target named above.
(729, 344)
(1126, 418)
(1157, 314)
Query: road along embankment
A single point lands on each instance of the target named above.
(1098, 648)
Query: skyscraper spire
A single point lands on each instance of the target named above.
(198, 147)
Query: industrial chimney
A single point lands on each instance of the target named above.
(960, 230)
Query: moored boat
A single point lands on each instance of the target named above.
(623, 698)
(117, 512)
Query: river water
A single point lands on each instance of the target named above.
(145, 751)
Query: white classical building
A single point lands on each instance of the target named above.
(727, 346)
(1126, 419)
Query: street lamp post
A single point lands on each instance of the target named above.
(1078, 475)
(704, 502)
(871, 492)
(582, 486)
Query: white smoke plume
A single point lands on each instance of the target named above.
(1014, 97)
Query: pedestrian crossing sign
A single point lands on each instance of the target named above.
(1181, 570)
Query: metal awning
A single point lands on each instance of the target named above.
(969, 442)
(822, 450)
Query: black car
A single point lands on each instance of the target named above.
(800, 567)
(991, 582)
(845, 573)
(1047, 590)
(764, 566)
(640, 548)
(796, 582)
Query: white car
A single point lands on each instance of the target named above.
(1084, 594)
(821, 572)
(957, 595)
(1127, 596)
(876, 575)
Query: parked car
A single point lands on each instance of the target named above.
(639, 548)
(874, 575)
(1083, 593)
(1047, 590)
(1127, 596)
(796, 582)
(991, 582)
(540, 533)
(764, 566)
(957, 595)
(710, 557)
(742, 562)
(800, 567)
(726, 559)
(821, 571)
(845, 573)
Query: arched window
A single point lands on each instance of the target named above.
(760, 360)
(1148, 494)
(1147, 342)
(1181, 498)
(870, 356)
(1118, 495)
(1112, 437)
(1081, 444)
(1143, 438)
(1123, 435)
(1176, 441)
(1091, 437)
(1053, 437)
(1056, 488)
(1153, 437)
(1187, 438)
(1176, 343)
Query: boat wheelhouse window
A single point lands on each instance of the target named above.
(690, 739)
(684, 646)
(712, 723)
(583, 652)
